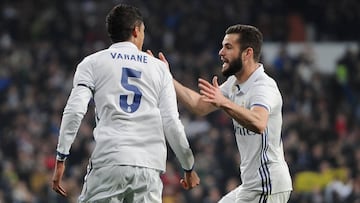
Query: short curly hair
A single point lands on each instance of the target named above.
(121, 20)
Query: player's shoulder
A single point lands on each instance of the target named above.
(264, 79)
(264, 84)
(98, 54)
(92, 57)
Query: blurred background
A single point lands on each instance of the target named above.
(311, 48)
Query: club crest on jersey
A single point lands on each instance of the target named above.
(242, 103)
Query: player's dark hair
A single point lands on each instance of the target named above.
(249, 36)
(121, 21)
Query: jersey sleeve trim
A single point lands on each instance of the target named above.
(61, 157)
(84, 85)
(262, 105)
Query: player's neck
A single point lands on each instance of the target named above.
(246, 72)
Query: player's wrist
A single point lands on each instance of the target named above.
(61, 157)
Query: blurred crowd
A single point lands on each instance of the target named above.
(41, 42)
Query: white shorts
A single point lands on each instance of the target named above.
(118, 184)
(238, 195)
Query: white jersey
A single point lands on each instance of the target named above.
(263, 167)
(136, 109)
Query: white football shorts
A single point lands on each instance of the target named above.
(121, 184)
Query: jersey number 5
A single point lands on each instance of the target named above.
(126, 73)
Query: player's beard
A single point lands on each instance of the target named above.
(234, 67)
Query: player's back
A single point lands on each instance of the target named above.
(127, 87)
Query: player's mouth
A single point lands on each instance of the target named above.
(225, 63)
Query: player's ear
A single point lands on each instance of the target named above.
(249, 52)
(136, 31)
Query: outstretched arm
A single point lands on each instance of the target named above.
(191, 99)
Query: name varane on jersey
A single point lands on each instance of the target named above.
(131, 57)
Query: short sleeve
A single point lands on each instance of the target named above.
(265, 95)
(84, 74)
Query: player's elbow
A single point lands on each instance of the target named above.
(256, 127)
(260, 128)
(256, 130)
(259, 124)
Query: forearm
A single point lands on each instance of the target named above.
(175, 135)
(250, 119)
(74, 112)
(192, 100)
(69, 126)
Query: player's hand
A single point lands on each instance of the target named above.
(211, 92)
(190, 180)
(161, 57)
(56, 181)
